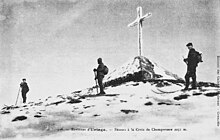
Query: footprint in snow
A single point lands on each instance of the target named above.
(88, 106)
(136, 84)
(24, 106)
(129, 111)
(55, 103)
(180, 97)
(96, 115)
(212, 94)
(5, 112)
(10, 107)
(19, 118)
(38, 104)
(196, 94)
(38, 116)
(164, 103)
(148, 103)
(73, 101)
(123, 101)
(85, 107)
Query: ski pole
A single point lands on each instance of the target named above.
(96, 83)
(17, 96)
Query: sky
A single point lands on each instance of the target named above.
(54, 44)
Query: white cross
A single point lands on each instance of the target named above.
(138, 21)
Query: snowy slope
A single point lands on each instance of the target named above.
(131, 105)
(151, 70)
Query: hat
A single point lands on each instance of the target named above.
(24, 79)
(189, 44)
(99, 59)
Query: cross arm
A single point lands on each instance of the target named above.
(133, 23)
(146, 16)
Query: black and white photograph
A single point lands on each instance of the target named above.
(109, 69)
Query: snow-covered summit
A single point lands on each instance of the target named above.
(149, 107)
(81, 115)
(140, 67)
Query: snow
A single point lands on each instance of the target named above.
(129, 67)
(132, 110)
(134, 65)
(89, 118)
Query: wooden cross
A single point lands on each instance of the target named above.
(138, 21)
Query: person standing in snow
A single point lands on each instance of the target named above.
(100, 74)
(192, 62)
(24, 89)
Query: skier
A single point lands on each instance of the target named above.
(192, 61)
(101, 71)
(24, 89)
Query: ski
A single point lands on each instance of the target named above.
(157, 92)
(163, 91)
(98, 95)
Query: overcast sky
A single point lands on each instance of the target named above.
(55, 43)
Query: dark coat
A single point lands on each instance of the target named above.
(192, 59)
(24, 87)
(100, 70)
